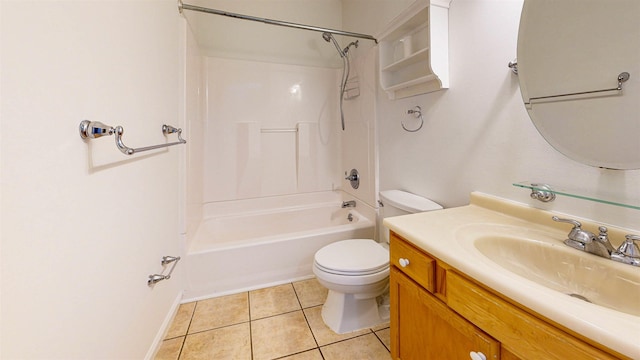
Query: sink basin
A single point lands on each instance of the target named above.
(558, 267)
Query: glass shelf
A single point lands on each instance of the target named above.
(616, 202)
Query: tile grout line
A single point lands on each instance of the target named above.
(184, 340)
(355, 337)
(276, 315)
(250, 323)
(382, 342)
(216, 328)
(307, 321)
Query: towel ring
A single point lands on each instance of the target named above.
(417, 113)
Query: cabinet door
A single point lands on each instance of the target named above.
(424, 328)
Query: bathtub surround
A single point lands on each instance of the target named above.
(272, 153)
(270, 129)
(272, 135)
(269, 115)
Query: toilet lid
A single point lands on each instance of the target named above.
(353, 257)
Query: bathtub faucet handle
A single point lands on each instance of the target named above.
(352, 177)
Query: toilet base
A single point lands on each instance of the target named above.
(345, 313)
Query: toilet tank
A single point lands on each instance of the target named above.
(397, 202)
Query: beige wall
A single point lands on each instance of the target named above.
(82, 224)
(478, 136)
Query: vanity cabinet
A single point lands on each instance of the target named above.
(414, 50)
(428, 329)
(438, 313)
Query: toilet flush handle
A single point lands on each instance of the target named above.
(404, 262)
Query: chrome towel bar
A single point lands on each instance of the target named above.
(156, 278)
(96, 129)
(622, 77)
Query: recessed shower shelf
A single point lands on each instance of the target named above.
(626, 203)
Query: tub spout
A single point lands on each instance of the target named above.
(350, 203)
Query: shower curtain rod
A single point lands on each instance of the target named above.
(182, 7)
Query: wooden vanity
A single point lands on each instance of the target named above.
(437, 312)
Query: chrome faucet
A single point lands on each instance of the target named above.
(350, 203)
(603, 238)
(587, 241)
(627, 253)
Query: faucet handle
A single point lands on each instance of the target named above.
(575, 223)
(629, 247)
(576, 234)
(603, 231)
(603, 237)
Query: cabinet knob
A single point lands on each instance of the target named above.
(477, 356)
(403, 262)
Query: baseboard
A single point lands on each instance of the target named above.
(157, 341)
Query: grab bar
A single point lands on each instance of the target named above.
(622, 77)
(96, 129)
(284, 130)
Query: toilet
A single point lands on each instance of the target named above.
(356, 271)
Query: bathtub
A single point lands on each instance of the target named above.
(249, 244)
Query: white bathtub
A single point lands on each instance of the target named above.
(249, 244)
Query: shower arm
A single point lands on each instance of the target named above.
(329, 38)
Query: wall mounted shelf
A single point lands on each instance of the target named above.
(626, 203)
(414, 50)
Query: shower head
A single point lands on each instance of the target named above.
(353, 43)
(328, 37)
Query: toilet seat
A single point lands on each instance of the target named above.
(351, 273)
(355, 257)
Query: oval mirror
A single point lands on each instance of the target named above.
(570, 56)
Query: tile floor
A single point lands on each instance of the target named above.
(280, 322)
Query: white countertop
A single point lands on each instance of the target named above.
(442, 234)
